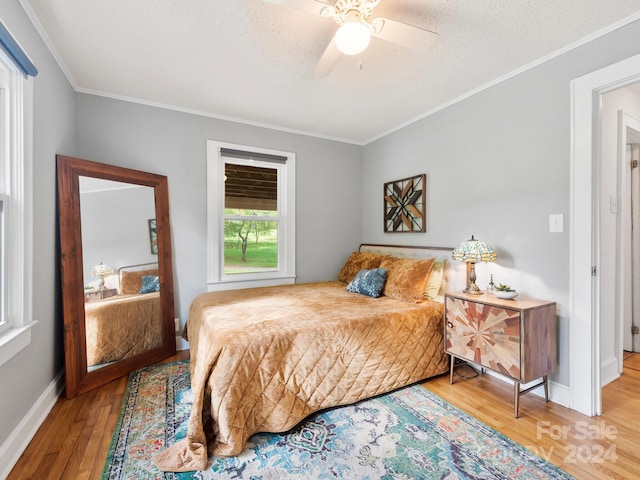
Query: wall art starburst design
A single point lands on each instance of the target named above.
(405, 205)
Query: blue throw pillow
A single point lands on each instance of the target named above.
(369, 282)
(150, 284)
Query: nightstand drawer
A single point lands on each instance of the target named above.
(486, 335)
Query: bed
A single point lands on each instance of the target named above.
(263, 359)
(128, 323)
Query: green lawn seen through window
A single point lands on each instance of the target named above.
(259, 256)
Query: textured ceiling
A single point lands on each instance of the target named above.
(253, 61)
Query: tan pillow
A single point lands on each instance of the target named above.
(130, 282)
(407, 278)
(435, 279)
(358, 261)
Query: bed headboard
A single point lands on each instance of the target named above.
(455, 273)
(130, 276)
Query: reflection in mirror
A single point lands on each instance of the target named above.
(117, 281)
(123, 317)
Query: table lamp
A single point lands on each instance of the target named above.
(101, 270)
(471, 252)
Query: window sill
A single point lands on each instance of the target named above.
(247, 283)
(14, 340)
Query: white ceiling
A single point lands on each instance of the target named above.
(253, 61)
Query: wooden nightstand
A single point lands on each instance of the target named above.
(516, 338)
(100, 295)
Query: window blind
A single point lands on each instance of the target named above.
(246, 155)
(16, 53)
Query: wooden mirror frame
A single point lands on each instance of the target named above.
(78, 379)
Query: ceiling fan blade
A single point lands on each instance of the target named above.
(311, 6)
(328, 59)
(405, 35)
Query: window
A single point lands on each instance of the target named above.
(16, 243)
(251, 216)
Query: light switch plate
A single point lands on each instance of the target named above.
(556, 222)
(613, 204)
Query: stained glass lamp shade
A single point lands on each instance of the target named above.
(471, 252)
(101, 270)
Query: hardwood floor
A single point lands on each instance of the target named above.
(73, 441)
(587, 448)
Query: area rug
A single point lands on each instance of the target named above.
(408, 434)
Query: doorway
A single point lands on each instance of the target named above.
(619, 128)
(585, 283)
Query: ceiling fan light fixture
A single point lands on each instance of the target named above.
(353, 38)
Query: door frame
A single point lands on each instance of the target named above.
(584, 282)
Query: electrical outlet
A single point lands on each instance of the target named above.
(556, 222)
(177, 322)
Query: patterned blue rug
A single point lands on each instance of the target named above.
(407, 434)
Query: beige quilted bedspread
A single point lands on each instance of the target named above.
(263, 359)
(122, 326)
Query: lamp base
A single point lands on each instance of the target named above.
(473, 289)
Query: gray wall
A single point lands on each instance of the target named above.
(115, 230)
(25, 377)
(497, 166)
(171, 143)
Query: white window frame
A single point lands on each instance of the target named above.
(4, 317)
(16, 160)
(285, 273)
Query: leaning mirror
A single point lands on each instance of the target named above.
(117, 281)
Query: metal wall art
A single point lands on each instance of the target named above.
(405, 205)
(153, 236)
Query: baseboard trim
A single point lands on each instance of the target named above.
(558, 393)
(609, 371)
(181, 343)
(19, 439)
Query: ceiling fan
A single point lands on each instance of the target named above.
(357, 27)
